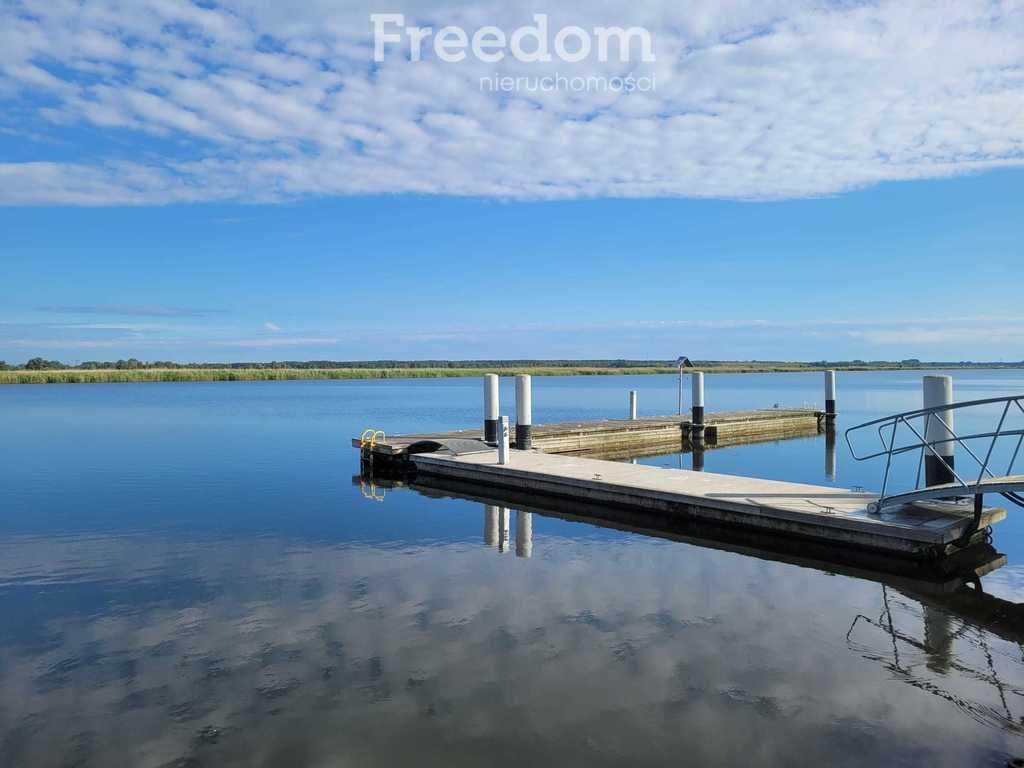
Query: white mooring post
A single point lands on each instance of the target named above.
(524, 412)
(632, 405)
(697, 407)
(938, 391)
(830, 396)
(503, 440)
(490, 409)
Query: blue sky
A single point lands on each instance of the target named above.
(922, 269)
(232, 182)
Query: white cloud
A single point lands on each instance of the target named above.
(272, 327)
(60, 344)
(265, 101)
(285, 341)
(967, 337)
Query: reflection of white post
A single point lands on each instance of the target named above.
(830, 453)
(503, 440)
(524, 534)
(938, 639)
(490, 408)
(490, 525)
(632, 405)
(938, 391)
(503, 529)
(524, 412)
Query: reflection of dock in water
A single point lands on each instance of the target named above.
(936, 629)
(926, 661)
(940, 643)
(951, 584)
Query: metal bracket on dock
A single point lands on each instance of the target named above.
(979, 508)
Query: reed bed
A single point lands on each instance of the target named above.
(119, 376)
(288, 374)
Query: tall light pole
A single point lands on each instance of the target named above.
(680, 362)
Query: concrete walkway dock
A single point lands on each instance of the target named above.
(569, 461)
(609, 437)
(824, 513)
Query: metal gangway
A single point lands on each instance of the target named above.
(930, 432)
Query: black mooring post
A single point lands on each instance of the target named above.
(830, 397)
(697, 409)
(491, 409)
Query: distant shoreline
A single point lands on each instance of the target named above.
(184, 375)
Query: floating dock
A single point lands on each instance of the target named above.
(821, 513)
(630, 437)
(570, 461)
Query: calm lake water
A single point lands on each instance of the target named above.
(190, 577)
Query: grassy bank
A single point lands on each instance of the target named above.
(113, 376)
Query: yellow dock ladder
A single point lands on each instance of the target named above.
(368, 441)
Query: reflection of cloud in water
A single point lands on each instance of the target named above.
(142, 650)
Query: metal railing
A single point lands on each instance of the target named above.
(918, 423)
